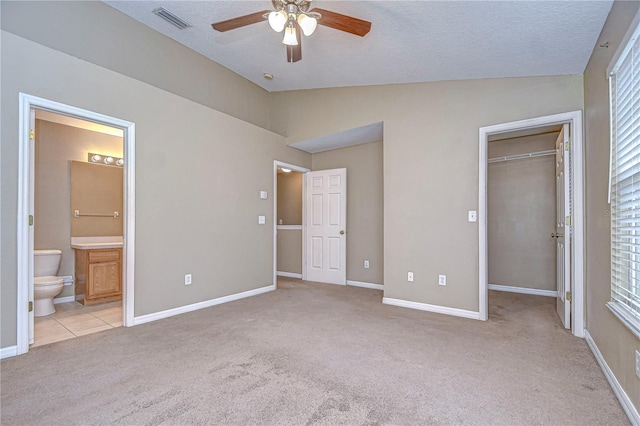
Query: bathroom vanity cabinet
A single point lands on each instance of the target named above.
(98, 275)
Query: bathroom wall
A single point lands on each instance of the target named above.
(96, 189)
(521, 201)
(290, 198)
(57, 144)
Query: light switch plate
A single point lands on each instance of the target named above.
(473, 216)
(442, 280)
(410, 276)
(262, 220)
(263, 195)
(187, 279)
(366, 264)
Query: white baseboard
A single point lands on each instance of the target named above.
(64, 299)
(8, 352)
(288, 274)
(432, 308)
(523, 290)
(365, 285)
(200, 305)
(627, 405)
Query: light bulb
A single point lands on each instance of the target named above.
(120, 162)
(290, 36)
(285, 170)
(278, 20)
(108, 160)
(95, 158)
(307, 24)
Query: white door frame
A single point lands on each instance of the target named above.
(574, 119)
(298, 169)
(25, 244)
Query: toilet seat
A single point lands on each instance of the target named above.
(47, 281)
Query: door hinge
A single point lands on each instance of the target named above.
(568, 296)
(30, 306)
(567, 146)
(567, 220)
(32, 135)
(30, 220)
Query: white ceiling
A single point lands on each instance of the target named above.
(410, 41)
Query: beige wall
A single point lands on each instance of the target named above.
(364, 207)
(190, 217)
(430, 166)
(614, 340)
(85, 29)
(289, 248)
(290, 198)
(521, 210)
(57, 144)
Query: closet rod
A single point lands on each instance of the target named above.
(522, 156)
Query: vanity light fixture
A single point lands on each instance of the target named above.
(105, 159)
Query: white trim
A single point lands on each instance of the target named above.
(625, 44)
(24, 245)
(289, 227)
(298, 169)
(523, 290)
(365, 285)
(574, 118)
(8, 352)
(65, 299)
(201, 305)
(289, 274)
(627, 404)
(431, 308)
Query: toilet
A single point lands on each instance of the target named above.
(46, 285)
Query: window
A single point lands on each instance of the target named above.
(624, 84)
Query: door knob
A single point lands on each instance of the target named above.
(342, 232)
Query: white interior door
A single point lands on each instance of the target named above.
(326, 226)
(32, 174)
(563, 225)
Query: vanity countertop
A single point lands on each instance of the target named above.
(93, 243)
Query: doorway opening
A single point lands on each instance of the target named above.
(289, 210)
(289, 214)
(569, 270)
(119, 271)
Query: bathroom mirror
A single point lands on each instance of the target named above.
(96, 200)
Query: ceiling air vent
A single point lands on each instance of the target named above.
(172, 18)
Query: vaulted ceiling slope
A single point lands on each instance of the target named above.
(409, 42)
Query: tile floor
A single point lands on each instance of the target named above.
(74, 319)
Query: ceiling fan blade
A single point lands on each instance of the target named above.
(240, 21)
(294, 53)
(342, 22)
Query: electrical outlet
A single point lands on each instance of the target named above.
(410, 276)
(442, 280)
(638, 364)
(187, 279)
(366, 264)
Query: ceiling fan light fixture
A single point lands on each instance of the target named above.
(307, 24)
(290, 38)
(277, 20)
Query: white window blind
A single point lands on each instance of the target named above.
(625, 186)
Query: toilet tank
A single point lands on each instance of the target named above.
(46, 262)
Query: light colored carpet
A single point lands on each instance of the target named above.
(317, 354)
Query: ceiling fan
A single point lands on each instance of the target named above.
(294, 17)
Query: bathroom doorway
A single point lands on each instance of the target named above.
(96, 139)
(288, 211)
(78, 167)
